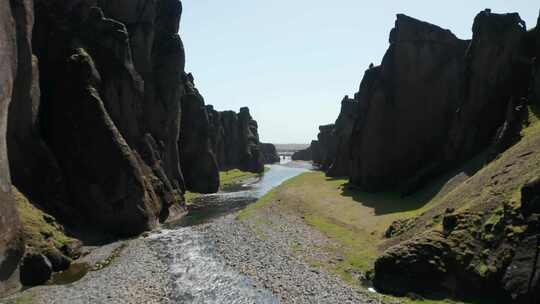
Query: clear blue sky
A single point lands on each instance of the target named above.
(292, 61)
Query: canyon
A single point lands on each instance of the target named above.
(102, 130)
(104, 135)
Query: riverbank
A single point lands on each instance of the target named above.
(325, 224)
(134, 275)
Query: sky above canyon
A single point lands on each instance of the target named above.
(292, 61)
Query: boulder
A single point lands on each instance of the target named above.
(11, 243)
(270, 154)
(36, 269)
(200, 168)
(418, 266)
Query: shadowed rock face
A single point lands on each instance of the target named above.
(126, 128)
(270, 154)
(328, 145)
(198, 160)
(340, 163)
(496, 73)
(11, 245)
(406, 104)
(235, 140)
(305, 154)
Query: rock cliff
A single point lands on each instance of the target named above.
(198, 161)
(437, 103)
(270, 154)
(11, 245)
(235, 140)
(101, 128)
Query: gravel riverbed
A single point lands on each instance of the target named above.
(265, 255)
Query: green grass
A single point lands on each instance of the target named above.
(250, 210)
(24, 299)
(234, 177)
(227, 179)
(354, 221)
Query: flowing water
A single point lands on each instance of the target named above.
(199, 274)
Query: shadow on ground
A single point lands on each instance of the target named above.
(394, 202)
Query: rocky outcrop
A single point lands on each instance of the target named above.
(197, 157)
(305, 155)
(340, 162)
(115, 158)
(270, 154)
(417, 87)
(235, 140)
(327, 146)
(11, 245)
(497, 72)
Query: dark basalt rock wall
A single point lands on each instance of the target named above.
(199, 163)
(305, 155)
(270, 154)
(106, 89)
(97, 115)
(407, 104)
(235, 140)
(496, 73)
(340, 163)
(11, 245)
(327, 146)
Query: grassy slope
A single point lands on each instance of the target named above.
(356, 221)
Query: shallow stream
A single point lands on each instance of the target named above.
(199, 274)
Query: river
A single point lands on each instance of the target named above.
(199, 274)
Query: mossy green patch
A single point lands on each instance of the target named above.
(190, 197)
(40, 230)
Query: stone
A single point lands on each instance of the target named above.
(417, 266)
(36, 269)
